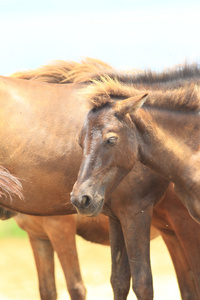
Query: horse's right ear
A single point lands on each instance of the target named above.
(130, 105)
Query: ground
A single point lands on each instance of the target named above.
(19, 280)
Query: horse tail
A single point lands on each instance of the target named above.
(9, 185)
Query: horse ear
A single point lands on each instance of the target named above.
(130, 105)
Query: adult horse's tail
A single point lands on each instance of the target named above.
(10, 186)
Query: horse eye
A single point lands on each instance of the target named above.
(112, 140)
(80, 141)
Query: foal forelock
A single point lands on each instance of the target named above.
(106, 90)
(173, 88)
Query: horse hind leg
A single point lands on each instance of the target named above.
(44, 259)
(183, 271)
(62, 232)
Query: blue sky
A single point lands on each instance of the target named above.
(125, 33)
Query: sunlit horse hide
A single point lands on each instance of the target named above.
(45, 154)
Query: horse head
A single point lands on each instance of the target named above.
(107, 129)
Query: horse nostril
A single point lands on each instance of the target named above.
(86, 201)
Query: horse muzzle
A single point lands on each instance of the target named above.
(86, 204)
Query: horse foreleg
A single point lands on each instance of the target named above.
(181, 236)
(181, 265)
(190, 201)
(136, 225)
(187, 231)
(62, 232)
(192, 251)
(120, 276)
(44, 259)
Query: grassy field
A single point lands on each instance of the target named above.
(17, 261)
(9, 229)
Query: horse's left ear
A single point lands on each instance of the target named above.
(130, 105)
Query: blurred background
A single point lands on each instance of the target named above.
(127, 34)
(124, 33)
(19, 278)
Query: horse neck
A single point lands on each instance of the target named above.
(169, 143)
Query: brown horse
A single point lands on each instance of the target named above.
(164, 135)
(112, 140)
(46, 158)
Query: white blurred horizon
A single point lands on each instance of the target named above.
(126, 34)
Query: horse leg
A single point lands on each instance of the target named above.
(182, 239)
(192, 251)
(136, 230)
(190, 202)
(62, 232)
(44, 259)
(120, 275)
(188, 233)
(181, 265)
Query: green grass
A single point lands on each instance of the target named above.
(9, 229)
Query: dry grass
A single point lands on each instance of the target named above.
(19, 281)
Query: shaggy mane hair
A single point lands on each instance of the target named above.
(106, 90)
(171, 78)
(62, 72)
(104, 83)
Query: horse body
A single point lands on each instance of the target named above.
(38, 141)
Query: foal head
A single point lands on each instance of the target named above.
(109, 151)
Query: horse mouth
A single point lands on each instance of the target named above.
(99, 208)
(92, 210)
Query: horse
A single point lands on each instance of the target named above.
(118, 133)
(39, 145)
(160, 128)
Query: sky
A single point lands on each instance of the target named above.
(127, 34)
